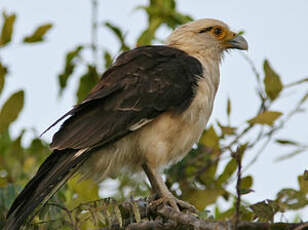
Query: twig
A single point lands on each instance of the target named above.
(301, 227)
(253, 67)
(296, 83)
(190, 220)
(68, 212)
(266, 226)
(260, 88)
(260, 151)
(94, 34)
(238, 157)
(237, 138)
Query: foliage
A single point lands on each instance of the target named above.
(38, 34)
(195, 179)
(7, 28)
(71, 58)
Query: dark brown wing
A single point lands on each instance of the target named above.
(142, 84)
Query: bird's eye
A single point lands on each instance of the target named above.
(219, 32)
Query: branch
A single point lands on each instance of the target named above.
(94, 34)
(179, 220)
(238, 157)
(152, 224)
(190, 220)
(147, 217)
(266, 226)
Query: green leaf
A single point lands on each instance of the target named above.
(38, 149)
(70, 62)
(108, 59)
(11, 110)
(86, 83)
(208, 177)
(246, 183)
(202, 198)
(228, 172)
(115, 29)
(86, 190)
(177, 18)
(265, 118)
(38, 34)
(291, 199)
(306, 175)
(226, 130)
(265, 210)
(3, 72)
(272, 82)
(290, 155)
(286, 142)
(210, 138)
(7, 28)
(242, 32)
(160, 12)
(228, 107)
(244, 191)
(148, 35)
(118, 33)
(230, 213)
(303, 184)
(16, 148)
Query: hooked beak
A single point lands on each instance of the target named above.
(238, 42)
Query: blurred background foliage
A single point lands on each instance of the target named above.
(194, 179)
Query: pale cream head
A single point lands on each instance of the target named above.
(209, 36)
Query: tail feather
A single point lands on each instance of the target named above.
(52, 174)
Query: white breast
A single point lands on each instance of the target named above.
(170, 137)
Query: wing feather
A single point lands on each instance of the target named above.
(142, 84)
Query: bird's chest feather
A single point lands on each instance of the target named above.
(170, 137)
(166, 139)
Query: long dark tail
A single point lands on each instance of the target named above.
(52, 174)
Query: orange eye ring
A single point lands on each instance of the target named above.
(218, 32)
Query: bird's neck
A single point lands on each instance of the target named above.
(210, 63)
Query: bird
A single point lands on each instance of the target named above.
(146, 112)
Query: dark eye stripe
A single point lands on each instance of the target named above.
(206, 30)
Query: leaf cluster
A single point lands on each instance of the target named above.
(205, 176)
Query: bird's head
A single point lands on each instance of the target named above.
(206, 37)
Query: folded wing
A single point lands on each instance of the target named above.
(142, 84)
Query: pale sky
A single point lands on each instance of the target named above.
(275, 29)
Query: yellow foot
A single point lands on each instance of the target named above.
(177, 204)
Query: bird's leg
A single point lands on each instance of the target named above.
(159, 187)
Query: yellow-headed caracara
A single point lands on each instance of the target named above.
(147, 110)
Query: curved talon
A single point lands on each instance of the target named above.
(186, 205)
(160, 189)
(174, 203)
(165, 201)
